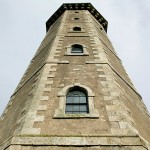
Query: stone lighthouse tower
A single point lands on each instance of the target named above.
(75, 94)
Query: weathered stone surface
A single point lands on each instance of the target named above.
(35, 116)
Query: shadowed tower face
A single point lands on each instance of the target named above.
(75, 94)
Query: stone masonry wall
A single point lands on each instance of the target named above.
(36, 99)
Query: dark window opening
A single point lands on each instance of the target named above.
(76, 102)
(76, 18)
(76, 12)
(77, 48)
(76, 29)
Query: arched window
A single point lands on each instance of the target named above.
(76, 29)
(76, 102)
(76, 48)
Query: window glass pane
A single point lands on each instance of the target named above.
(82, 94)
(82, 99)
(76, 112)
(69, 94)
(69, 108)
(83, 108)
(69, 99)
(76, 100)
(77, 48)
(76, 108)
(73, 93)
(83, 112)
(69, 112)
(76, 93)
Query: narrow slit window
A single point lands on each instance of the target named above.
(76, 18)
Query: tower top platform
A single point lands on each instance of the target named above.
(77, 6)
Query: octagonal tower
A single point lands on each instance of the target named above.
(75, 94)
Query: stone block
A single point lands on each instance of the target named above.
(39, 118)
(42, 107)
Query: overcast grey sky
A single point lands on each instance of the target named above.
(22, 28)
